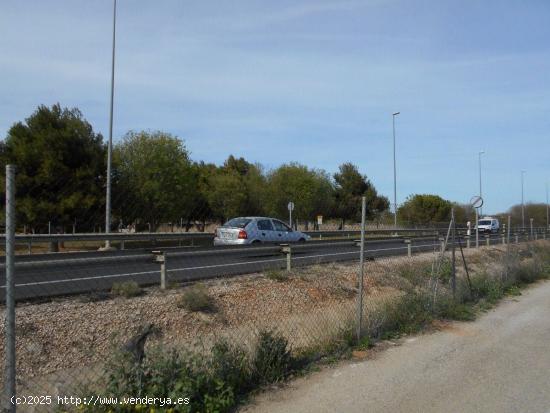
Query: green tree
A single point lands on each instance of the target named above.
(311, 191)
(154, 179)
(350, 187)
(60, 165)
(235, 189)
(425, 209)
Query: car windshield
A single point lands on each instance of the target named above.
(237, 223)
(485, 222)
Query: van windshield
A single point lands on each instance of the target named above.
(485, 222)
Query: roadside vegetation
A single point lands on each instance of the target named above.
(221, 375)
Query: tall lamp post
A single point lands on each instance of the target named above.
(110, 145)
(480, 193)
(522, 203)
(394, 175)
(547, 208)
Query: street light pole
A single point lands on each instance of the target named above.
(110, 145)
(547, 208)
(522, 203)
(394, 175)
(480, 193)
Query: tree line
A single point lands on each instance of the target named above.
(61, 181)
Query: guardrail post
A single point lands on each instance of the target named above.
(517, 238)
(442, 242)
(409, 247)
(536, 235)
(29, 247)
(503, 239)
(122, 244)
(468, 241)
(488, 239)
(287, 249)
(160, 257)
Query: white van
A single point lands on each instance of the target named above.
(488, 224)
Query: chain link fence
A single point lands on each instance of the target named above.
(167, 325)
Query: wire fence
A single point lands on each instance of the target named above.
(193, 329)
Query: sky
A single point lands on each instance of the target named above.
(314, 82)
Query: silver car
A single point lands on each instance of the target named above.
(255, 230)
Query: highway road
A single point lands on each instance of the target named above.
(47, 275)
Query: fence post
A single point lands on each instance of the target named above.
(468, 241)
(10, 289)
(453, 262)
(361, 269)
(508, 232)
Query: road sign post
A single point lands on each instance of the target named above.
(477, 202)
(290, 207)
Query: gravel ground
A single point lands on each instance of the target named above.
(73, 336)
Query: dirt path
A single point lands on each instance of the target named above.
(500, 363)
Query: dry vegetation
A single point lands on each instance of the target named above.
(311, 307)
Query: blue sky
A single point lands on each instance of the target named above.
(308, 81)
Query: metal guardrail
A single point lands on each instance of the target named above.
(158, 236)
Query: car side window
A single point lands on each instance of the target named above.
(280, 226)
(265, 225)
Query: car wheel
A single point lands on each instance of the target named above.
(301, 240)
(256, 242)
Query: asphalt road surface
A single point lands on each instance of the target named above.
(499, 363)
(45, 275)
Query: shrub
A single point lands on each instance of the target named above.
(449, 308)
(169, 374)
(527, 272)
(272, 359)
(406, 314)
(231, 365)
(486, 287)
(196, 298)
(126, 289)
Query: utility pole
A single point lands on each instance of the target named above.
(394, 176)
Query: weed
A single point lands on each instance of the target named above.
(513, 290)
(276, 275)
(126, 289)
(365, 343)
(196, 298)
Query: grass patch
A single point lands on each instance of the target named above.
(277, 275)
(196, 298)
(126, 289)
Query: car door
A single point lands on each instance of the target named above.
(283, 232)
(265, 230)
